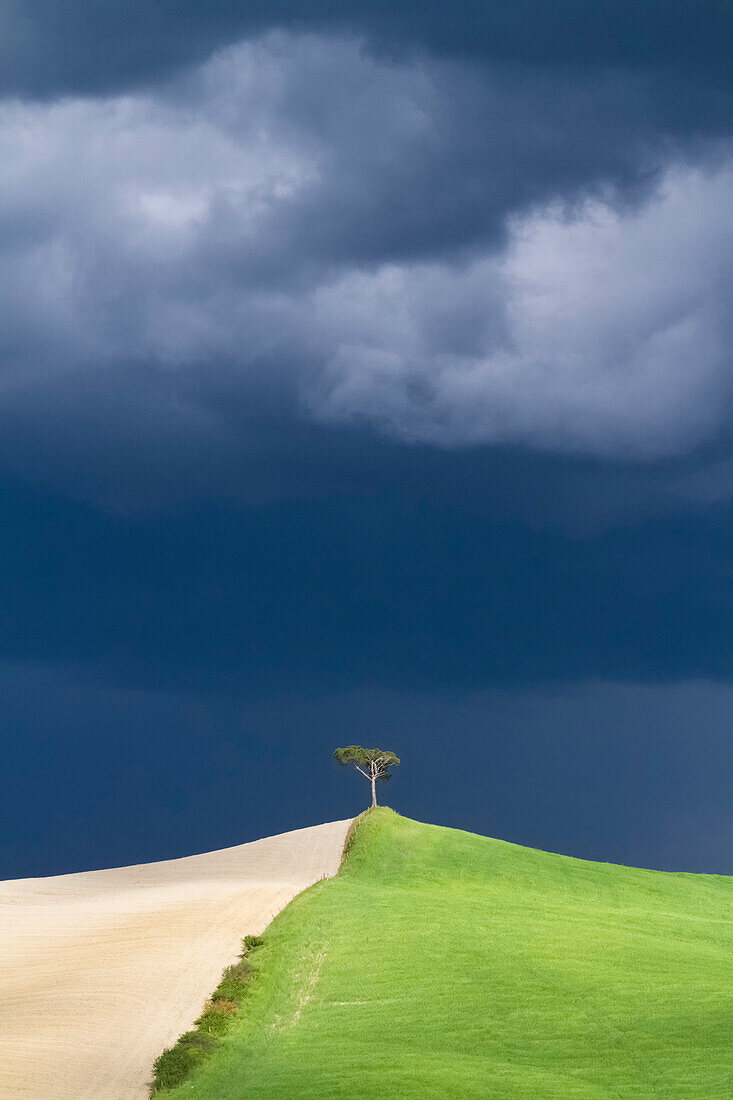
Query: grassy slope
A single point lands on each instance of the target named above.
(440, 964)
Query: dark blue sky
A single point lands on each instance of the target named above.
(366, 377)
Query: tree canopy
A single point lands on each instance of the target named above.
(374, 764)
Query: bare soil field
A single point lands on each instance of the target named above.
(99, 971)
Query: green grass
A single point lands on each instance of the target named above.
(443, 964)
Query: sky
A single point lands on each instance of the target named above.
(366, 377)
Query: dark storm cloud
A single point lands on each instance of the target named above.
(52, 46)
(299, 231)
(471, 226)
(339, 592)
(263, 275)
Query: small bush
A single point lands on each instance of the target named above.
(216, 1017)
(250, 942)
(233, 984)
(221, 1006)
(177, 1063)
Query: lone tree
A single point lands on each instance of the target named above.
(374, 764)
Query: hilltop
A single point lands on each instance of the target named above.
(439, 963)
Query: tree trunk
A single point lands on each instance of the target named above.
(374, 789)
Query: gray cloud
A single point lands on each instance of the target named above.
(596, 331)
(300, 231)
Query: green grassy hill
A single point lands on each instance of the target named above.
(443, 964)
